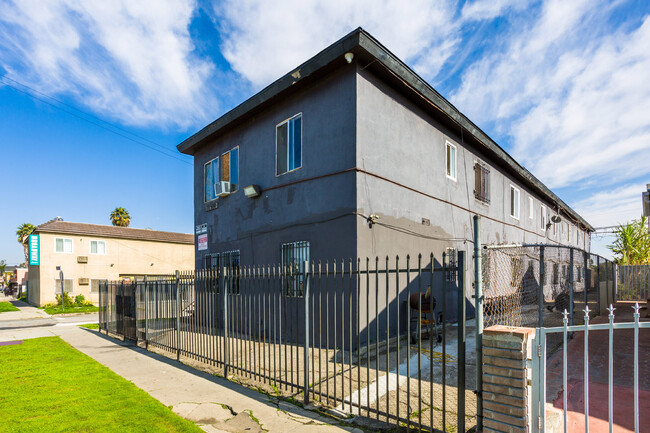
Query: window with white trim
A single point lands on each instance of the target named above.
(531, 209)
(450, 159)
(63, 245)
(67, 285)
(542, 217)
(288, 145)
(98, 247)
(94, 286)
(514, 202)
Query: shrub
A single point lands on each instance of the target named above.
(66, 297)
(80, 300)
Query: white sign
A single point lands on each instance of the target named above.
(201, 228)
(203, 242)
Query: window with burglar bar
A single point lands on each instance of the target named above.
(450, 273)
(481, 183)
(294, 255)
(227, 259)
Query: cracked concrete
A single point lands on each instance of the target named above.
(213, 403)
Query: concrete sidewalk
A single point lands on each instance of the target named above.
(26, 311)
(214, 403)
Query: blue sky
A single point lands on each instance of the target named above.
(95, 95)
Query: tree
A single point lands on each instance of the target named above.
(23, 232)
(120, 217)
(632, 243)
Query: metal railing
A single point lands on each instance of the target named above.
(360, 336)
(539, 374)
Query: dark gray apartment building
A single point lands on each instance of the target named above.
(352, 154)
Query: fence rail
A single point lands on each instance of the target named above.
(368, 337)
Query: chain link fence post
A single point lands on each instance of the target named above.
(478, 304)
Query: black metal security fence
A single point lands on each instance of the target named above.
(367, 337)
(532, 285)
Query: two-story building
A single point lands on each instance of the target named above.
(90, 253)
(352, 154)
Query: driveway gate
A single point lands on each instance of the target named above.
(551, 381)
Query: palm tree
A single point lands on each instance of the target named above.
(23, 232)
(632, 243)
(120, 217)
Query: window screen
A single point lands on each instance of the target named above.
(67, 286)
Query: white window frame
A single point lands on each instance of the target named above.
(64, 251)
(542, 217)
(517, 209)
(57, 285)
(205, 179)
(90, 248)
(276, 144)
(531, 208)
(453, 164)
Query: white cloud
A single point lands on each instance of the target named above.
(612, 207)
(129, 60)
(263, 40)
(573, 100)
(486, 9)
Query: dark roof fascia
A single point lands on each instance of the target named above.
(361, 42)
(324, 58)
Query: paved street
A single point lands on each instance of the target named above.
(216, 404)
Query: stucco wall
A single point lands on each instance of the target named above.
(123, 257)
(299, 205)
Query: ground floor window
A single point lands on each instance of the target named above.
(227, 259)
(67, 285)
(294, 256)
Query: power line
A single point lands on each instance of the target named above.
(91, 121)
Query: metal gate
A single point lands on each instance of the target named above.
(118, 308)
(575, 357)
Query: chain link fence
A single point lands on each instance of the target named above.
(531, 285)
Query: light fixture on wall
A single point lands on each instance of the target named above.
(348, 57)
(251, 191)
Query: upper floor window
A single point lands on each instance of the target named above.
(294, 256)
(63, 245)
(481, 183)
(288, 145)
(210, 177)
(227, 171)
(97, 247)
(514, 202)
(542, 217)
(531, 210)
(451, 160)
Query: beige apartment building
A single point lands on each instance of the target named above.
(89, 253)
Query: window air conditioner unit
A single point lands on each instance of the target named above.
(223, 188)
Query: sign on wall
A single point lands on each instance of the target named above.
(203, 242)
(201, 228)
(34, 253)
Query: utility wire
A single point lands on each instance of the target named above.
(89, 120)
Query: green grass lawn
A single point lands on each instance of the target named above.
(48, 386)
(90, 325)
(58, 309)
(7, 306)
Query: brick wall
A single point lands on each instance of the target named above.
(506, 394)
